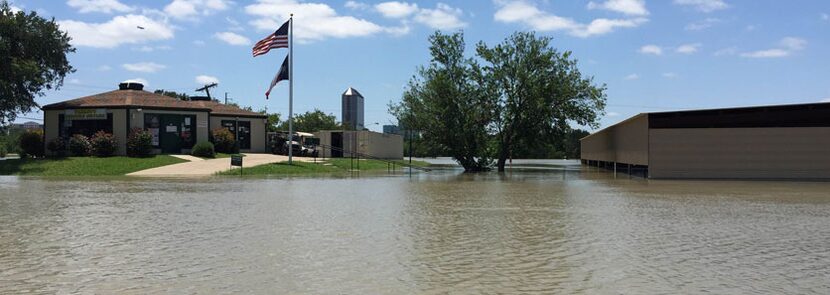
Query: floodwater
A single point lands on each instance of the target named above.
(581, 231)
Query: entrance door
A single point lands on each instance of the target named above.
(170, 140)
(244, 135)
(337, 144)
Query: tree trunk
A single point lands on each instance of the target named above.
(503, 153)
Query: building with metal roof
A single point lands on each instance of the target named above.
(764, 142)
(176, 125)
(352, 109)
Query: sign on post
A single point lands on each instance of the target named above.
(236, 160)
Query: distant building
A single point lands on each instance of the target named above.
(344, 144)
(391, 129)
(765, 142)
(29, 126)
(352, 109)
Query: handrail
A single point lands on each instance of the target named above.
(367, 156)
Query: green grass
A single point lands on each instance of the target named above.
(83, 166)
(331, 166)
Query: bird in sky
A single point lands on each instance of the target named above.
(139, 27)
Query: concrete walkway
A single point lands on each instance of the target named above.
(202, 167)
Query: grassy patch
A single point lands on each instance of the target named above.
(331, 166)
(284, 169)
(83, 166)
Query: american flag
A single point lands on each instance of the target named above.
(278, 39)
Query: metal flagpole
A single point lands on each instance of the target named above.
(290, 89)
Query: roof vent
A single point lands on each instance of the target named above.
(131, 85)
(200, 98)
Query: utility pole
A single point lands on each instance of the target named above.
(226, 98)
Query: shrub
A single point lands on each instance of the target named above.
(203, 149)
(223, 141)
(31, 144)
(139, 143)
(79, 145)
(57, 146)
(3, 151)
(103, 144)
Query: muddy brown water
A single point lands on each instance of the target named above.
(441, 232)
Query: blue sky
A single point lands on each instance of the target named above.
(653, 55)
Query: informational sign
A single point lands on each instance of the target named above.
(86, 114)
(187, 120)
(155, 133)
(236, 160)
(173, 129)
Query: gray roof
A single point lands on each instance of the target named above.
(352, 92)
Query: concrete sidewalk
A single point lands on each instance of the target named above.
(201, 167)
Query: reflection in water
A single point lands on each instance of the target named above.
(578, 232)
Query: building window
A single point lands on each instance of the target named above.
(241, 131)
(88, 128)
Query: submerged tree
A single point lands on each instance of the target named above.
(32, 59)
(524, 95)
(540, 92)
(449, 104)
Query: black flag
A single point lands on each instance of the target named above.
(281, 75)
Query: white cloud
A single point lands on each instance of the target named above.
(442, 17)
(612, 114)
(144, 67)
(74, 81)
(519, 11)
(651, 49)
(234, 24)
(726, 51)
(205, 80)
(669, 75)
(104, 6)
(104, 68)
(702, 25)
(15, 9)
(395, 9)
(632, 77)
(233, 38)
(629, 7)
(688, 48)
(785, 48)
(147, 48)
(189, 9)
(355, 5)
(199, 43)
(704, 5)
(120, 30)
(793, 43)
(825, 100)
(140, 80)
(768, 53)
(314, 21)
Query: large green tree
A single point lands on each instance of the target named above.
(521, 99)
(32, 59)
(540, 93)
(313, 121)
(449, 103)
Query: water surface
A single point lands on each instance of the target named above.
(581, 231)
